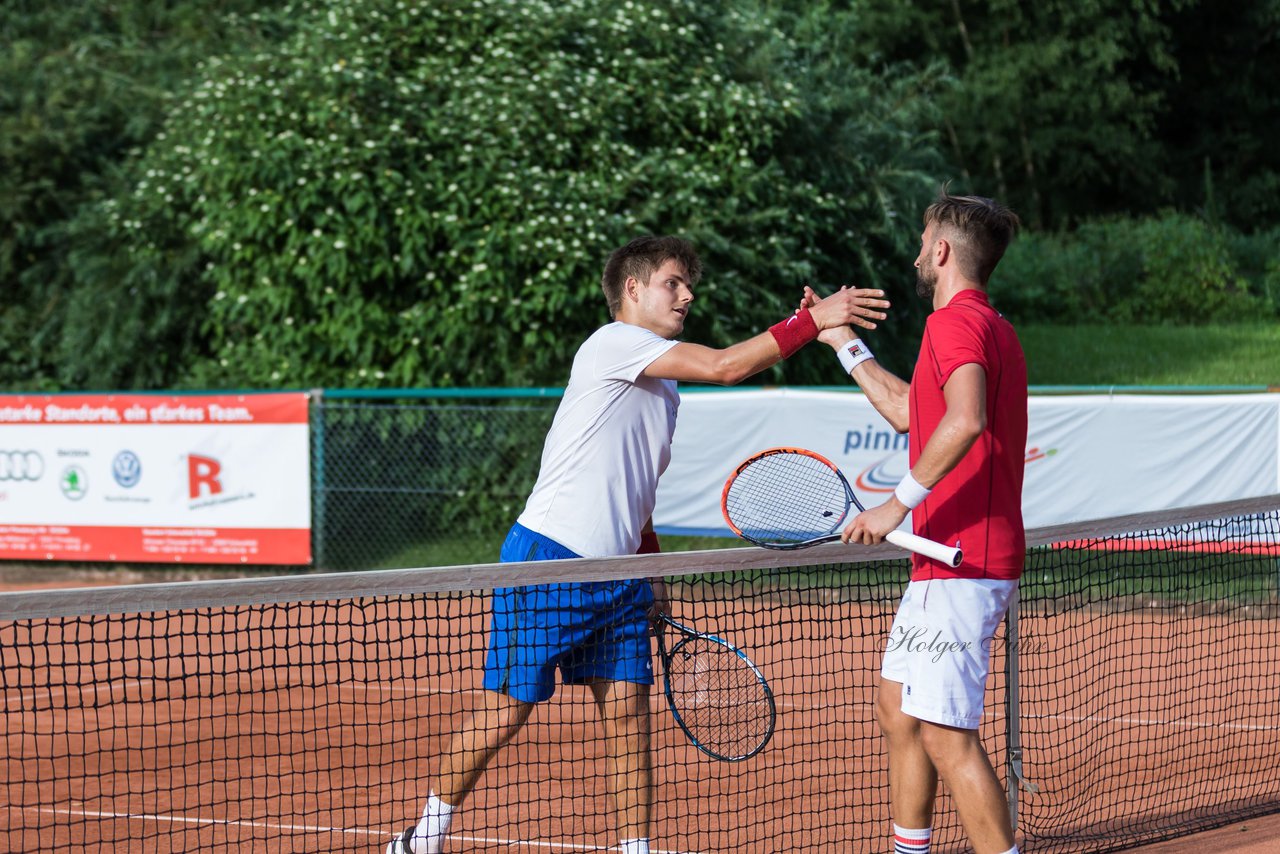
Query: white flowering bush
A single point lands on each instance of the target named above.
(424, 193)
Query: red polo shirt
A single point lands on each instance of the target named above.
(979, 502)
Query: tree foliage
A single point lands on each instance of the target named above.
(83, 85)
(1218, 129)
(1170, 268)
(236, 193)
(1053, 103)
(1071, 109)
(403, 194)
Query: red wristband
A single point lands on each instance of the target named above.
(648, 544)
(794, 332)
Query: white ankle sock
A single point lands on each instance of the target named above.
(635, 846)
(907, 841)
(429, 836)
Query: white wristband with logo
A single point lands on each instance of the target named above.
(910, 492)
(853, 354)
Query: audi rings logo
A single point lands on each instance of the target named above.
(21, 465)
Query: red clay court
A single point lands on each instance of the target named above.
(223, 727)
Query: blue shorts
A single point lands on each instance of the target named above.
(589, 630)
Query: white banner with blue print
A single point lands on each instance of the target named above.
(1088, 456)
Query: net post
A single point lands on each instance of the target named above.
(318, 489)
(1013, 748)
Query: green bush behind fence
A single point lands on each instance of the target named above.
(435, 477)
(410, 480)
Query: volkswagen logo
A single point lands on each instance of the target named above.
(21, 465)
(126, 468)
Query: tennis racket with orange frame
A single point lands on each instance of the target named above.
(790, 498)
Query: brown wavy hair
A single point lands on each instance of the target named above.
(640, 258)
(979, 229)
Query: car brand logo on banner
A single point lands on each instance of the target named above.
(74, 483)
(126, 468)
(21, 465)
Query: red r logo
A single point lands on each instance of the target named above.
(202, 474)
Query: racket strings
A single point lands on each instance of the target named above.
(719, 697)
(786, 497)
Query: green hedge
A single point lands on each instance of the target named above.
(425, 194)
(1172, 268)
(84, 87)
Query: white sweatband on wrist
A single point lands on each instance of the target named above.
(910, 492)
(853, 354)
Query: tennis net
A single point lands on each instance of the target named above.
(1134, 693)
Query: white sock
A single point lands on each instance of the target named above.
(429, 836)
(907, 841)
(635, 846)
(1013, 850)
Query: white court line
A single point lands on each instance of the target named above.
(382, 687)
(659, 704)
(1096, 719)
(311, 828)
(48, 692)
(813, 707)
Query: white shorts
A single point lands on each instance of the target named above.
(939, 647)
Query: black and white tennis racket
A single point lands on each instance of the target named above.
(717, 695)
(790, 498)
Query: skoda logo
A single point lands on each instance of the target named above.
(126, 468)
(74, 482)
(21, 465)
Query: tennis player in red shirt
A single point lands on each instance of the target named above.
(966, 412)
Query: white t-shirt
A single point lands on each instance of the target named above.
(608, 444)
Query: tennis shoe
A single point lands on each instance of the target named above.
(402, 844)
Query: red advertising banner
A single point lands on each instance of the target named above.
(141, 478)
(186, 545)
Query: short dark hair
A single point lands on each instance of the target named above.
(640, 258)
(980, 230)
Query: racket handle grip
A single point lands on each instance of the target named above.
(948, 555)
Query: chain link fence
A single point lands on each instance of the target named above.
(431, 478)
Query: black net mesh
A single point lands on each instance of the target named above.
(312, 713)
